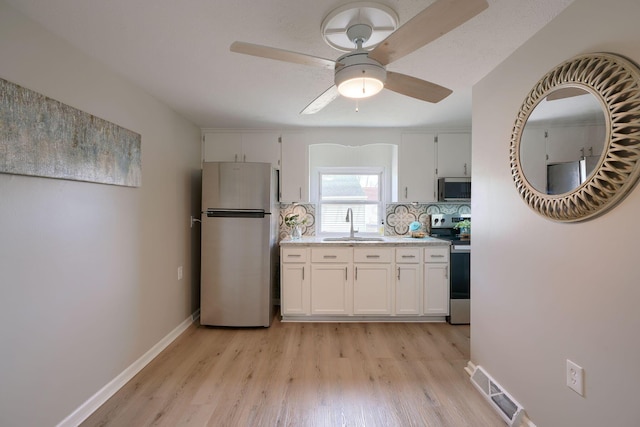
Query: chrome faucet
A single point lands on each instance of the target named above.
(349, 219)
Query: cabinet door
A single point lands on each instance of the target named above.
(223, 147)
(295, 292)
(408, 285)
(261, 147)
(436, 289)
(416, 168)
(454, 154)
(372, 289)
(294, 173)
(330, 289)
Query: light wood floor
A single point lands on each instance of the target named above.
(306, 374)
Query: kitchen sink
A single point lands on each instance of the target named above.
(353, 239)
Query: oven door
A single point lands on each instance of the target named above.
(460, 271)
(460, 286)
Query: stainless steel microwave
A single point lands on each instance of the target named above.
(454, 189)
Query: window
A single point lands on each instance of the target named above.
(360, 190)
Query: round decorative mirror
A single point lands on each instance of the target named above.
(575, 145)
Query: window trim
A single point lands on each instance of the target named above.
(360, 170)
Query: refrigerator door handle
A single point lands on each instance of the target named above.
(236, 213)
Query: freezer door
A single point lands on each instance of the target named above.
(228, 185)
(236, 271)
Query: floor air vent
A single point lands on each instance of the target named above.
(505, 405)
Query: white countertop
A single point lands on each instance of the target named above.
(387, 241)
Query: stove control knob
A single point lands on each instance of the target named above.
(443, 220)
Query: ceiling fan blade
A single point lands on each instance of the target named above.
(281, 55)
(436, 20)
(322, 101)
(416, 88)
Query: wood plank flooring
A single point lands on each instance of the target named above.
(306, 374)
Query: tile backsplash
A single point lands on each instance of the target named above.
(306, 212)
(397, 216)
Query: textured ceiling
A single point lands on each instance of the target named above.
(178, 51)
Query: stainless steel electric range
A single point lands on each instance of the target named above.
(442, 227)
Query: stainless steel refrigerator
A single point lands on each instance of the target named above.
(239, 244)
(565, 177)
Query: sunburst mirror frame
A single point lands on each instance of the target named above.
(615, 82)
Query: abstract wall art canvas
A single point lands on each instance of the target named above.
(42, 137)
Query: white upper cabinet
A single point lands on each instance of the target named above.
(294, 175)
(454, 155)
(242, 147)
(570, 143)
(222, 147)
(416, 168)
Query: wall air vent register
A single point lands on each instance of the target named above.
(510, 410)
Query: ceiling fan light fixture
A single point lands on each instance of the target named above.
(360, 87)
(360, 80)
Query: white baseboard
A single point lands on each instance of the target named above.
(94, 402)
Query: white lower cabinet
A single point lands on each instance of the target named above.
(318, 282)
(436, 281)
(408, 281)
(330, 289)
(295, 293)
(372, 281)
(331, 283)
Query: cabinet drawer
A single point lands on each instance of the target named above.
(294, 255)
(372, 255)
(436, 254)
(332, 254)
(408, 255)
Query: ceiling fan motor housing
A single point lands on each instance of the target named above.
(358, 76)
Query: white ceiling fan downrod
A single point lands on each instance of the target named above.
(357, 75)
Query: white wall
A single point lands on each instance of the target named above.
(88, 272)
(384, 156)
(543, 292)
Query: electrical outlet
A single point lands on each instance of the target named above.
(180, 273)
(575, 377)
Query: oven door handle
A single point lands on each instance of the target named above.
(460, 249)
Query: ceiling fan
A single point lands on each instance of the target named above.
(361, 72)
